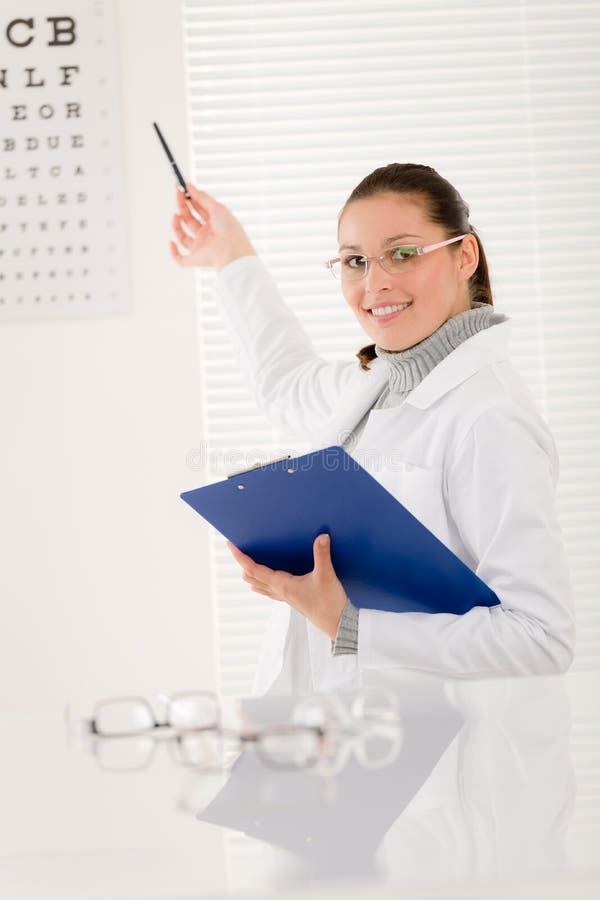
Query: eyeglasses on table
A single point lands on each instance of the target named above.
(124, 733)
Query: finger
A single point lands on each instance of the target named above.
(197, 208)
(277, 581)
(245, 561)
(200, 214)
(255, 570)
(194, 217)
(190, 228)
(186, 239)
(266, 582)
(256, 583)
(179, 258)
(201, 198)
(264, 593)
(258, 588)
(322, 555)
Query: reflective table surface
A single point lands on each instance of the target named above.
(446, 789)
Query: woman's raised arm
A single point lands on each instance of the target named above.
(296, 388)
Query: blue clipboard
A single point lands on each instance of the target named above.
(385, 558)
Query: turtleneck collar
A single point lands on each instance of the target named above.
(408, 368)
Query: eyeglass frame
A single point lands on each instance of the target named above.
(340, 727)
(419, 251)
(332, 759)
(167, 730)
(168, 699)
(177, 743)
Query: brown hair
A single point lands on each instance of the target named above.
(444, 206)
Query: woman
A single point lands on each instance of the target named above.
(445, 422)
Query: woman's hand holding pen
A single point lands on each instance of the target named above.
(208, 232)
(319, 595)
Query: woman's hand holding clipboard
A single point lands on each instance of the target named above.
(319, 595)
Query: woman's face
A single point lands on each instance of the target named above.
(435, 285)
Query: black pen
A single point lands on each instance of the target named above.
(174, 165)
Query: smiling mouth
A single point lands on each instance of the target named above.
(383, 313)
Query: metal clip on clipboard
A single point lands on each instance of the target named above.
(261, 465)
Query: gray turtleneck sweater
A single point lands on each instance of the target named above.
(407, 369)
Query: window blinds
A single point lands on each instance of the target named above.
(291, 104)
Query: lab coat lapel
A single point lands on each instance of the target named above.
(369, 386)
(481, 350)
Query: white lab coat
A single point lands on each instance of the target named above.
(467, 453)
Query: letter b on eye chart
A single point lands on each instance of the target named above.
(62, 209)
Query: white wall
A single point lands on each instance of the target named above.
(102, 565)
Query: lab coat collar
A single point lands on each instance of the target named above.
(482, 349)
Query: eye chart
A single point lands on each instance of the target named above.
(62, 207)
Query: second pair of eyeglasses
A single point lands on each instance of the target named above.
(321, 731)
(193, 720)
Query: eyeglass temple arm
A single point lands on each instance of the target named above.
(420, 250)
(430, 247)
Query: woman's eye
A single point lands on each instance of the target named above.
(402, 252)
(352, 262)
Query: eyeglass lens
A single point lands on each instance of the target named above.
(123, 716)
(134, 715)
(193, 711)
(354, 266)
